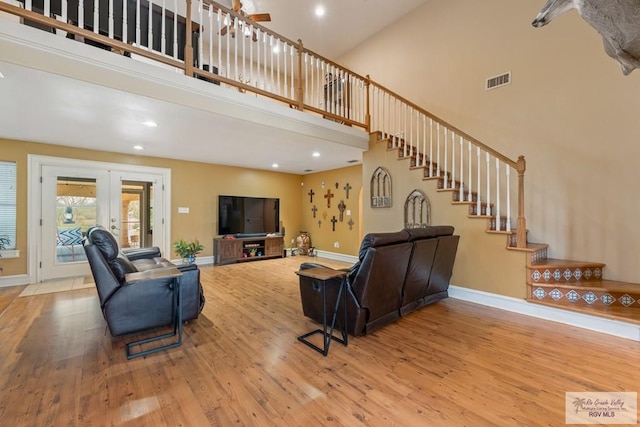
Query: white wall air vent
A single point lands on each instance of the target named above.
(498, 81)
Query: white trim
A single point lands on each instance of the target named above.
(336, 256)
(593, 323)
(36, 162)
(18, 279)
(9, 253)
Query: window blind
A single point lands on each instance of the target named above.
(8, 202)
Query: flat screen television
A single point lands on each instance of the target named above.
(248, 215)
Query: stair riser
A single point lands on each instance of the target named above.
(562, 275)
(585, 298)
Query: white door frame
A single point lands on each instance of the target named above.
(34, 205)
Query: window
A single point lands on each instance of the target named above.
(8, 202)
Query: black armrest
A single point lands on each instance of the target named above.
(142, 253)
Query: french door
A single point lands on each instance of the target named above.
(131, 204)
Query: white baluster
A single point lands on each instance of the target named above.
(163, 29)
(137, 23)
(424, 140)
(470, 184)
(438, 146)
(175, 27)
(404, 133)
(498, 225)
(150, 27)
(258, 47)
(277, 55)
(232, 21)
(479, 183)
(446, 157)
(28, 5)
(80, 12)
(110, 18)
(47, 7)
(210, 59)
(64, 11)
(200, 58)
(488, 211)
(96, 14)
(251, 43)
(461, 192)
(125, 23)
(293, 82)
(430, 147)
(453, 160)
(238, 32)
(508, 172)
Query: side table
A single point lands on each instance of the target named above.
(321, 276)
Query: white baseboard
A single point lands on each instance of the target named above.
(593, 323)
(18, 279)
(338, 257)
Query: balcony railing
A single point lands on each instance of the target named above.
(206, 40)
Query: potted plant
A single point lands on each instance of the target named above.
(187, 250)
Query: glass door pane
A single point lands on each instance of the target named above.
(76, 211)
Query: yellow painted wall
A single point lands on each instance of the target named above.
(196, 185)
(479, 253)
(569, 110)
(322, 235)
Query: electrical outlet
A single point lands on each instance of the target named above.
(336, 244)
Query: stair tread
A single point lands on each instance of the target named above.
(613, 313)
(556, 263)
(596, 285)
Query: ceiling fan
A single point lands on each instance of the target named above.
(255, 17)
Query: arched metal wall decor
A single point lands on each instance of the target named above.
(417, 210)
(381, 188)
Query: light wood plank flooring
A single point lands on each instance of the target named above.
(450, 364)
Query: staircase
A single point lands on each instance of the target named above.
(570, 285)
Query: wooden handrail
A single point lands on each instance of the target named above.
(298, 97)
(449, 126)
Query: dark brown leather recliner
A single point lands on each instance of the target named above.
(396, 273)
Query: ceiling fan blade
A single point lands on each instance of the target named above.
(236, 5)
(260, 17)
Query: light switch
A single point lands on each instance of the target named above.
(348, 212)
(183, 210)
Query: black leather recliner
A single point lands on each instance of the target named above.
(132, 307)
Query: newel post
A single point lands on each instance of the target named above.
(300, 89)
(188, 49)
(521, 232)
(367, 117)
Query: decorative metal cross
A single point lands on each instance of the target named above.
(347, 188)
(319, 223)
(311, 194)
(341, 208)
(350, 223)
(314, 209)
(329, 196)
(337, 185)
(333, 222)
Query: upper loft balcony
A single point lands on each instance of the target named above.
(264, 100)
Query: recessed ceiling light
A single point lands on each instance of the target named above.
(319, 10)
(138, 147)
(150, 123)
(316, 154)
(275, 165)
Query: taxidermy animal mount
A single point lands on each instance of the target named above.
(617, 21)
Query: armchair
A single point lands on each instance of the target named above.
(143, 292)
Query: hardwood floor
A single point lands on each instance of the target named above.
(450, 364)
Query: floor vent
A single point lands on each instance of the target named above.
(498, 81)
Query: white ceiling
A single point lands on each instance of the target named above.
(89, 98)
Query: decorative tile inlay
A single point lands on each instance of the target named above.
(547, 275)
(577, 274)
(568, 274)
(555, 294)
(587, 273)
(626, 300)
(573, 296)
(557, 274)
(590, 297)
(535, 276)
(607, 299)
(539, 293)
(597, 273)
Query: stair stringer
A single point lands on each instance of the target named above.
(482, 263)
